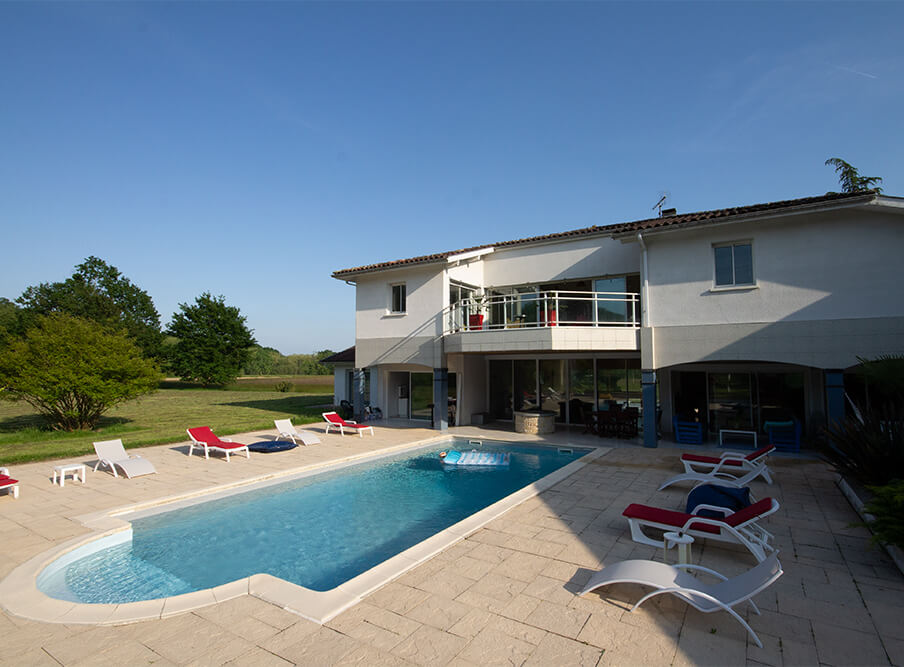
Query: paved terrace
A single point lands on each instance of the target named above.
(504, 595)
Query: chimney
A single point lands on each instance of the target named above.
(668, 212)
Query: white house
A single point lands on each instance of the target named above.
(730, 317)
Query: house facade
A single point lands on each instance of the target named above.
(730, 318)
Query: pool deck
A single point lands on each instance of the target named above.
(505, 594)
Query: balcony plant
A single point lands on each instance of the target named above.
(476, 305)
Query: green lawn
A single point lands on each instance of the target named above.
(162, 417)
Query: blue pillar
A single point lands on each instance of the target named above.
(834, 396)
(440, 399)
(358, 392)
(648, 397)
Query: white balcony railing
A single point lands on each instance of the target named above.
(544, 309)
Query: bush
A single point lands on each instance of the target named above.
(871, 450)
(72, 370)
(888, 508)
(284, 386)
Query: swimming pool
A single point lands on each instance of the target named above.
(316, 531)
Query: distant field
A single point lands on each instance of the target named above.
(162, 417)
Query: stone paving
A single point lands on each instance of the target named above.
(504, 595)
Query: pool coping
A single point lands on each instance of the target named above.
(20, 596)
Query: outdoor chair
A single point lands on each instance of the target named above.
(740, 527)
(203, 437)
(729, 464)
(111, 454)
(287, 430)
(675, 580)
(784, 435)
(687, 433)
(6, 482)
(333, 420)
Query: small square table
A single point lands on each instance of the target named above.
(77, 470)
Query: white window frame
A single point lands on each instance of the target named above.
(404, 294)
(734, 285)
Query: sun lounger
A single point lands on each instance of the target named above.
(729, 462)
(333, 420)
(8, 483)
(674, 580)
(286, 430)
(203, 437)
(740, 527)
(718, 477)
(111, 454)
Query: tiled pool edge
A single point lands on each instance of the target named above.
(20, 596)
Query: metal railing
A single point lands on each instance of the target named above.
(544, 309)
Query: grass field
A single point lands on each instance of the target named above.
(162, 417)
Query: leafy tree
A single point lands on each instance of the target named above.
(851, 180)
(99, 292)
(72, 370)
(213, 342)
(9, 318)
(261, 361)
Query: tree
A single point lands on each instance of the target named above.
(851, 180)
(98, 291)
(213, 342)
(72, 370)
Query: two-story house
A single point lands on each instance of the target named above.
(729, 317)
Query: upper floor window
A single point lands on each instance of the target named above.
(734, 264)
(397, 302)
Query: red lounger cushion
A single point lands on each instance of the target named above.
(750, 512)
(9, 481)
(699, 458)
(758, 453)
(667, 517)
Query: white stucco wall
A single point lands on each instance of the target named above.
(563, 260)
(818, 267)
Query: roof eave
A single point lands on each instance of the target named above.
(866, 199)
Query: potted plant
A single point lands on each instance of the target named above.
(477, 308)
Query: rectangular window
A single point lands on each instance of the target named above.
(734, 264)
(399, 297)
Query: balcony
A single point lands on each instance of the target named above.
(544, 321)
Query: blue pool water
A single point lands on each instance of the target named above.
(317, 531)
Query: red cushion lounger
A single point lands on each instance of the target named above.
(202, 436)
(7, 482)
(740, 527)
(333, 420)
(698, 463)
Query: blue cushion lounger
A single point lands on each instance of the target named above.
(475, 458)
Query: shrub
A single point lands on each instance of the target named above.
(888, 508)
(284, 386)
(871, 450)
(72, 370)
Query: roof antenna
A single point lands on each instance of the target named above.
(658, 205)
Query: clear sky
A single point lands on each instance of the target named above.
(250, 149)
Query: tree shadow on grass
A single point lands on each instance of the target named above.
(39, 422)
(289, 404)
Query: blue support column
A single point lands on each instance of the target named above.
(648, 397)
(834, 396)
(440, 399)
(358, 392)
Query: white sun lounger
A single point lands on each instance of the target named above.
(673, 579)
(287, 430)
(718, 477)
(8, 483)
(111, 453)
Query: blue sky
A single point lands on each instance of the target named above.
(250, 149)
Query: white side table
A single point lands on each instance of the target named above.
(77, 470)
(682, 541)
